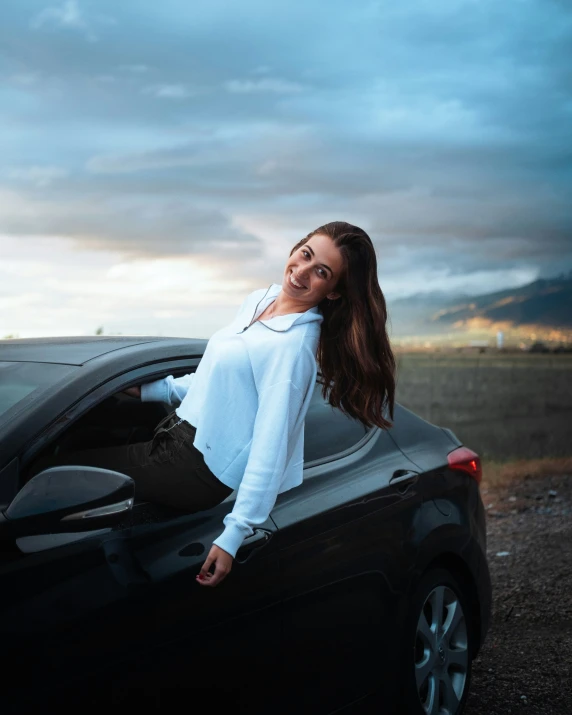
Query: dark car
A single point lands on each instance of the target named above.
(367, 585)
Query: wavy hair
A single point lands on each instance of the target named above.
(354, 354)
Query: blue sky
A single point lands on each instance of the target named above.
(160, 159)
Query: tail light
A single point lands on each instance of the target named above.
(465, 460)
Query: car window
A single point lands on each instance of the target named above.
(115, 419)
(21, 380)
(327, 430)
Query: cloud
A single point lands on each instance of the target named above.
(441, 127)
(56, 289)
(132, 226)
(134, 68)
(170, 91)
(68, 16)
(25, 78)
(231, 150)
(40, 176)
(183, 156)
(279, 86)
(65, 15)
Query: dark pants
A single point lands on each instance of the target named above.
(167, 470)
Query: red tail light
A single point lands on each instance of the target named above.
(465, 460)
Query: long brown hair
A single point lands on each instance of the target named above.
(354, 354)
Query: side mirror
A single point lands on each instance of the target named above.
(68, 498)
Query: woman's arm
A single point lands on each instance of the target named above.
(278, 421)
(169, 389)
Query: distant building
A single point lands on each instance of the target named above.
(500, 339)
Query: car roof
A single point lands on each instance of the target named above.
(76, 350)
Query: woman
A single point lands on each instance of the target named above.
(239, 420)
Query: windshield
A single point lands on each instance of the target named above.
(21, 380)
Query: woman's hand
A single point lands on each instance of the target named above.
(223, 564)
(134, 391)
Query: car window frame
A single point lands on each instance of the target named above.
(135, 376)
(357, 447)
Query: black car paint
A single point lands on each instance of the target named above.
(455, 520)
(346, 562)
(342, 550)
(38, 419)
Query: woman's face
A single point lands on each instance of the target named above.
(316, 266)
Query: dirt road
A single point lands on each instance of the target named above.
(525, 665)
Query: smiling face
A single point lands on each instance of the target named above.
(316, 266)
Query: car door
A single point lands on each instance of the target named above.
(125, 603)
(344, 550)
(197, 635)
(129, 600)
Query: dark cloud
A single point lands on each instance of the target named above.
(443, 128)
(133, 226)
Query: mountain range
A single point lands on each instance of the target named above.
(539, 310)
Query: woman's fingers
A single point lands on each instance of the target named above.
(134, 391)
(204, 572)
(222, 562)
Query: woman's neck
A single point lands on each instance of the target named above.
(283, 305)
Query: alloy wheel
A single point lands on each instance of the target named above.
(441, 652)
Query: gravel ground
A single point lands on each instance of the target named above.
(525, 664)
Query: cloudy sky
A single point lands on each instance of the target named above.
(160, 159)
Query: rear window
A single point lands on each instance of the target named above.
(328, 431)
(23, 381)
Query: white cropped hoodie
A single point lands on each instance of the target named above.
(248, 400)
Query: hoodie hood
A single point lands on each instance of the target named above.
(284, 322)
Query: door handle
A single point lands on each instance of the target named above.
(252, 543)
(403, 478)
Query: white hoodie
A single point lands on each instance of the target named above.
(248, 400)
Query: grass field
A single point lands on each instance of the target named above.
(498, 474)
(504, 406)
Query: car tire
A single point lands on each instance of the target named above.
(437, 661)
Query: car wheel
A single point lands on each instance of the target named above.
(437, 662)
